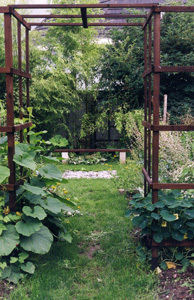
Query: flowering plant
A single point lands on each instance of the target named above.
(170, 218)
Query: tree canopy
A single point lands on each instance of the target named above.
(79, 85)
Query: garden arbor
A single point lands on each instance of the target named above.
(150, 23)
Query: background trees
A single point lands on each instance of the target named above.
(80, 87)
(63, 70)
(177, 49)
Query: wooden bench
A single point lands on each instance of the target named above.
(122, 153)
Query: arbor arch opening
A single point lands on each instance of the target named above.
(151, 25)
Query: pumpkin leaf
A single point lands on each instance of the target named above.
(50, 171)
(39, 242)
(158, 237)
(34, 189)
(28, 267)
(4, 173)
(28, 227)
(167, 217)
(22, 256)
(35, 212)
(59, 141)
(8, 240)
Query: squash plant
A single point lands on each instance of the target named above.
(40, 214)
(170, 218)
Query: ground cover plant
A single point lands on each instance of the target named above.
(101, 262)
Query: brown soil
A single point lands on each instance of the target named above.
(90, 250)
(176, 286)
(172, 284)
(5, 289)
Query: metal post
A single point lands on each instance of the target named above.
(145, 108)
(27, 71)
(20, 78)
(156, 102)
(10, 106)
(149, 98)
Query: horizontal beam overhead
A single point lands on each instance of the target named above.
(19, 18)
(4, 9)
(106, 16)
(40, 6)
(89, 24)
(174, 9)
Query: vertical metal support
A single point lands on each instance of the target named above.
(20, 78)
(145, 109)
(10, 106)
(27, 71)
(149, 98)
(156, 103)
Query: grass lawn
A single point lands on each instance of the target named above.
(101, 262)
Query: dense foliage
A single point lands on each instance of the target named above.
(40, 208)
(177, 41)
(63, 70)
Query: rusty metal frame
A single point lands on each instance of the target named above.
(151, 123)
(152, 72)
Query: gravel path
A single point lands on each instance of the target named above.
(90, 174)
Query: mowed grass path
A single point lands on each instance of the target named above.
(101, 262)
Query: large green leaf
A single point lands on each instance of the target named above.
(24, 156)
(8, 240)
(15, 275)
(128, 213)
(137, 221)
(28, 267)
(167, 217)
(35, 212)
(66, 236)
(159, 204)
(28, 227)
(25, 160)
(158, 237)
(39, 242)
(50, 159)
(6, 272)
(4, 173)
(34, 189)
(64, 201)
(190, 213)
(54, 206)
(2, 227)
(50, 171)
(155, 216)
(150, 207)
(34, 199)
(58, 140)
(177, 235)
(22, 256)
